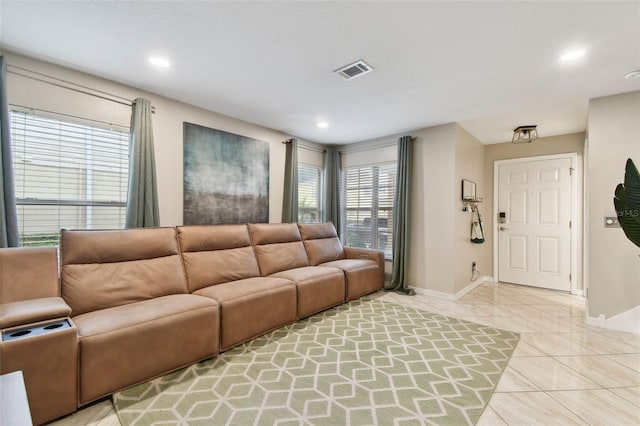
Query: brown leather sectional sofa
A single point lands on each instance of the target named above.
(127, 306)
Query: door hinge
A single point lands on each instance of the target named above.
(569, 277)
(571, 169)
(570, 224)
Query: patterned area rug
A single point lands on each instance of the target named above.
(367, 362)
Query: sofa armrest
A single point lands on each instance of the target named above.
(360, 253)
(32, 310)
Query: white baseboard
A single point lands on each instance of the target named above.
(628, 321)
(578, 292)
(449, 296)
(433, 293)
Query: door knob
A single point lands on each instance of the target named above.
(502, 228)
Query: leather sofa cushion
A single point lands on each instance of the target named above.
(313, 231)
(321, 242)
(216, 254)
(213, 237)
(33, 310)
(28, 273)
(318, 287)
(207, 268)
(116, 246)
(126, 345)
(274, 258)
(251, 307)
(362, 276)
(323, 250)
(271, 233)
(104, 269)
(278, 247)
(90, 287)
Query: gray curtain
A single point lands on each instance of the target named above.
(290, 196)
(8, 216)
(142, 198)
(402, 219)
(332, 167)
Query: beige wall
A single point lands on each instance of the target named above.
(469, 164)
(543, 146)
(167, 126)
(433, 198)
(613, 263)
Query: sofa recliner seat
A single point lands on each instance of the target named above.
(136, 320)
(281, 254)
(220, 264)
(363, 268)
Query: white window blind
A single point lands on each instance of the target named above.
(367, 206)
(67, 175)
(309, 192)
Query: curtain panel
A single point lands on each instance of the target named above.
(402, 219)
(290, 195)
(9, 236)
(332, 168)
(142, 197)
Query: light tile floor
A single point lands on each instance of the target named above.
(562, 372)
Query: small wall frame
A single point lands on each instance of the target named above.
(468, 190)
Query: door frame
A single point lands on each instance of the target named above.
(573, 156)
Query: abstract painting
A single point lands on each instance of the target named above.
(226, 177)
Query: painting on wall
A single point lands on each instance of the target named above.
(226, 177)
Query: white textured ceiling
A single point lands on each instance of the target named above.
(489, 66)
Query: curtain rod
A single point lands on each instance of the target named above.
(68, 115)
(93, 92)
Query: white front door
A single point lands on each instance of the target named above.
(534, 240)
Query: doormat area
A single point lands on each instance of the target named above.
(366, 362)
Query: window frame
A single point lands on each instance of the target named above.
(377, 231)
(90, 163)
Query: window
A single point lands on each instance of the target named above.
(67, 176)
(309, 190)
(367, 206)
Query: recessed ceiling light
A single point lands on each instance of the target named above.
(572, 55)
(159, 62)
(323, 124)
(632, 74)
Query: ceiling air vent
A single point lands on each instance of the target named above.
(354, 70)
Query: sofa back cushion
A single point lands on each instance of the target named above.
(278, 247)
(103, 269)
(28, 273)
(216, 254)
(321, 242)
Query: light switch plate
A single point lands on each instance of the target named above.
(611, 222)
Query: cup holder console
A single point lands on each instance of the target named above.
(36, 330)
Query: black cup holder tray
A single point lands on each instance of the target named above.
(36, 330)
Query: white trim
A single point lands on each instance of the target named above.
(311, 146)
(367, 145)
(472, 285)
(456, 296)
(585, 223)
(573, 156)
(433, 293)
(628, 321)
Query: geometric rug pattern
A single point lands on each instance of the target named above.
(366, 362)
